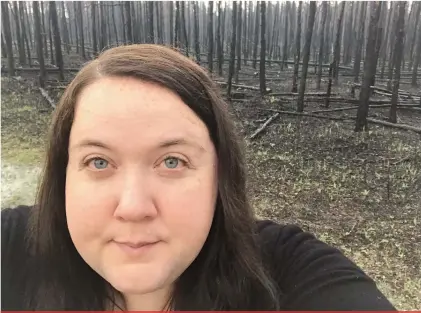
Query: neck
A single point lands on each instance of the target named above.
(154, 301)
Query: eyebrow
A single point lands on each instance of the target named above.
(179, 142)
(162, 145)
(90, 143)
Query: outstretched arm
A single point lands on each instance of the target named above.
(315, 276)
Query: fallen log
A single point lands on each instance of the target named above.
(401, 126)
(238, 100)
(284, 76)
(44, 93)
(261, 128)
(347, 100)
(295, 94)
(400, 95)
(58, 87)
(401, 81)
(388, 93)
(403, 106)
(371, 120)
(242, 86)
(334, 118)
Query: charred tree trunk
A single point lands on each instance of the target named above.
(196, 31)
(399, 44)
(285, 45)
(183, 27)
(3, 47)
(5, 18)
(256, 34)
(171, 10)
(151, 35)
(337, 50)
(275, 28)
(219, 51)
(128, 17)
(57, 39)
(239, 34)
(360, 42)
(94, 32)
(262, 74)
(224, 21)
(377, 51)
(177, 25)
(417, 58)
(88, 27)
(123, 21)
(38, 42)
(321, 44)
(329, 85)
(75, 9)
(369, 66)
(245, 32)
(188, 19)
(297, 48)
(251, 20)
(82, 36)
(19, 36)
(108, 22)
(50, 37)
(44, 30)
(24, 32)
(386, 42)
(158, 22)
(210, 36)
(233, 45)
(28, 29)
(326, 47)
(64, 28)
(414, 37)
(391, 63)
(114, 24)
(348, 34)
(204, 27)
(102, 26)
(306, 55)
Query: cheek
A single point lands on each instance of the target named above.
(88, 208)
(187, 208)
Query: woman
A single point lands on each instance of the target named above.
(143, 206)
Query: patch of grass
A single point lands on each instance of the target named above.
(25, 119)
(360, 192)
(19, 184)
(18, 152)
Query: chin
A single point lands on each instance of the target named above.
(135, 279)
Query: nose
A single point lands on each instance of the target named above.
(136, 202)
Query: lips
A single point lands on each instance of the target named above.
(136, 248)
(136, 245)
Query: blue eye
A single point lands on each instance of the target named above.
(100, 164)
(171, 162)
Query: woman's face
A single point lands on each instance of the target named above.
(141, 184)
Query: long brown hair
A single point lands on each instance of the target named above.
(228, 274)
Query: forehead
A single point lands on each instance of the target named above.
(130, 107)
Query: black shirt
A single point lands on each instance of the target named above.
(311, 274)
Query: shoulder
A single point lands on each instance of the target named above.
(14, 256)
(313, 275)
(13, 224)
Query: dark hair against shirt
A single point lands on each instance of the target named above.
(227, 274)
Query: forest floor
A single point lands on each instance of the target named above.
(360, 192)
